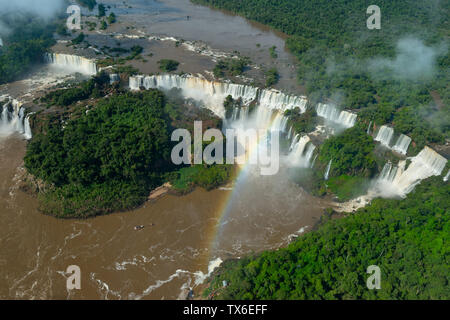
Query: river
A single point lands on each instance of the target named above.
(182, 235)
(221, 30)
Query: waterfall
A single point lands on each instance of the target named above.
(136, 82)
(268, 115)
(385, 135)
(71, 63)
(235, 115)
(308, 154)
(398, 181)
(13, 118)
(27, 128)
(274, 99)
(289, 135)
(279, 123)
(389, 172)
(314, 161)
(446, 176)
(213, 93)
(294, 141)
(265, 122)
(271, 120)
(5, 115)
(327, 171)
(368, 128)
(402, 144)
(301, 152)
(17, 120)
(332, 113)
(113, 77)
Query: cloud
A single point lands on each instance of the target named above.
(4, 30)
(413, 61)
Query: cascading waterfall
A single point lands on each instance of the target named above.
(314, 161)
(136, 82)
(13, 118)
(27, 128)
(113, 77)
(213, 93)
(271, 120)
(279, 123)
(265, 121)
(71, 63)
(368, 128)
(301, 152)
(394, 180)
(236, 113)
(389, 172)
(445, 179)
(327, 171)
(274, 99)
(310, 148)
(398, 181)
(332, 113)
(385, 135)
(402, 144)
(289, 136)
(268, 114)
(294, 141)
(5, 115)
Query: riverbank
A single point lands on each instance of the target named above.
(312, 267)
(186, 235)
(116, 169)
(169, 34)
(183, 234)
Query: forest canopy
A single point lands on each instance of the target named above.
(24, 46)
(408, 239)
(105, 160)
(384, 76)
(351, 153)
(108, 157)
(403, 64)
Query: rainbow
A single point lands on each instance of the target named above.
(241, 177)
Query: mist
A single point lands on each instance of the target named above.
(413, 61)
(4, 29)
(44, 9)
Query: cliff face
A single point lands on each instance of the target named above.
(72, 63)
(213, 93)
(13, 117)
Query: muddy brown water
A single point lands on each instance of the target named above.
(220, 29)
(181, 235)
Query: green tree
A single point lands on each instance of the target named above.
(101, 10)
(111, 18)
(168, 65)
